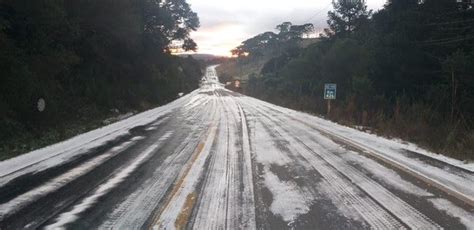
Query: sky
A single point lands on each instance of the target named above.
(226, 23)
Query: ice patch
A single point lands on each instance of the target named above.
(465, 217)
(288, 201)
(137, 138)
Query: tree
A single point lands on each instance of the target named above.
(344, 61)
(290, 32)
(269, 43)
(348, 16)
(167, 21)
(85, 57)
(257, 46)
(407, 69)
(456, 67)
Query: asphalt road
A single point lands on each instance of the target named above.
(215, 159)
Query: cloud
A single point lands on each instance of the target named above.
(225, 24)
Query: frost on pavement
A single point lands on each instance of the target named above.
(266, 151)
(119, 177)
(387, 175)
(465, 217)
(459, 180)
(288, 201)
(214, 159)
(74, 147)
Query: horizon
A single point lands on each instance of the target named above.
(224, 25)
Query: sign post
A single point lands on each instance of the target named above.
(329, 94)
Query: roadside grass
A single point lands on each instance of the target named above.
(414, 124)
(24, 140)
(21, 140)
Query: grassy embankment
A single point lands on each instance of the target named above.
(408, 123)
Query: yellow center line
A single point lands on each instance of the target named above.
(190, 200)
(185, 212)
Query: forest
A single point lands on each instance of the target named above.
(67, 65)
(404, 71)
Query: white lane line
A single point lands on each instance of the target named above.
(74, 214)
(54, 184)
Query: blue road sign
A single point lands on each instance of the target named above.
(330, 91)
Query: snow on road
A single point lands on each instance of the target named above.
(119, 177)
(451, 209)
(215, 159)
(60, 181)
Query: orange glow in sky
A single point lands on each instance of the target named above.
(226, 23)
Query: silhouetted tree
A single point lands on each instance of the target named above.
(348, 16)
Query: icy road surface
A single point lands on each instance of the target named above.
(215, 159)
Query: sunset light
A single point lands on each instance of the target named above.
(225, 24)
(237, 114)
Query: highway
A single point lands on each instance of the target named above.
(216, 159)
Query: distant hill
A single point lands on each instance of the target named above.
(233, 69)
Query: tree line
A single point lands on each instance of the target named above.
(406, 70)
(84, 58)
(270, 43)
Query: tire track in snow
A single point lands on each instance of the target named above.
(222, 204)
(137, 207)
(465, 217)
(248, 220)
(167, 217)
(399, 208)
(213, 198)
(50, 156)
(70, 216)
(56, 183)
(290, 200)
(388, 175)
(402, 210)
(340, 190)
(455, 184)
